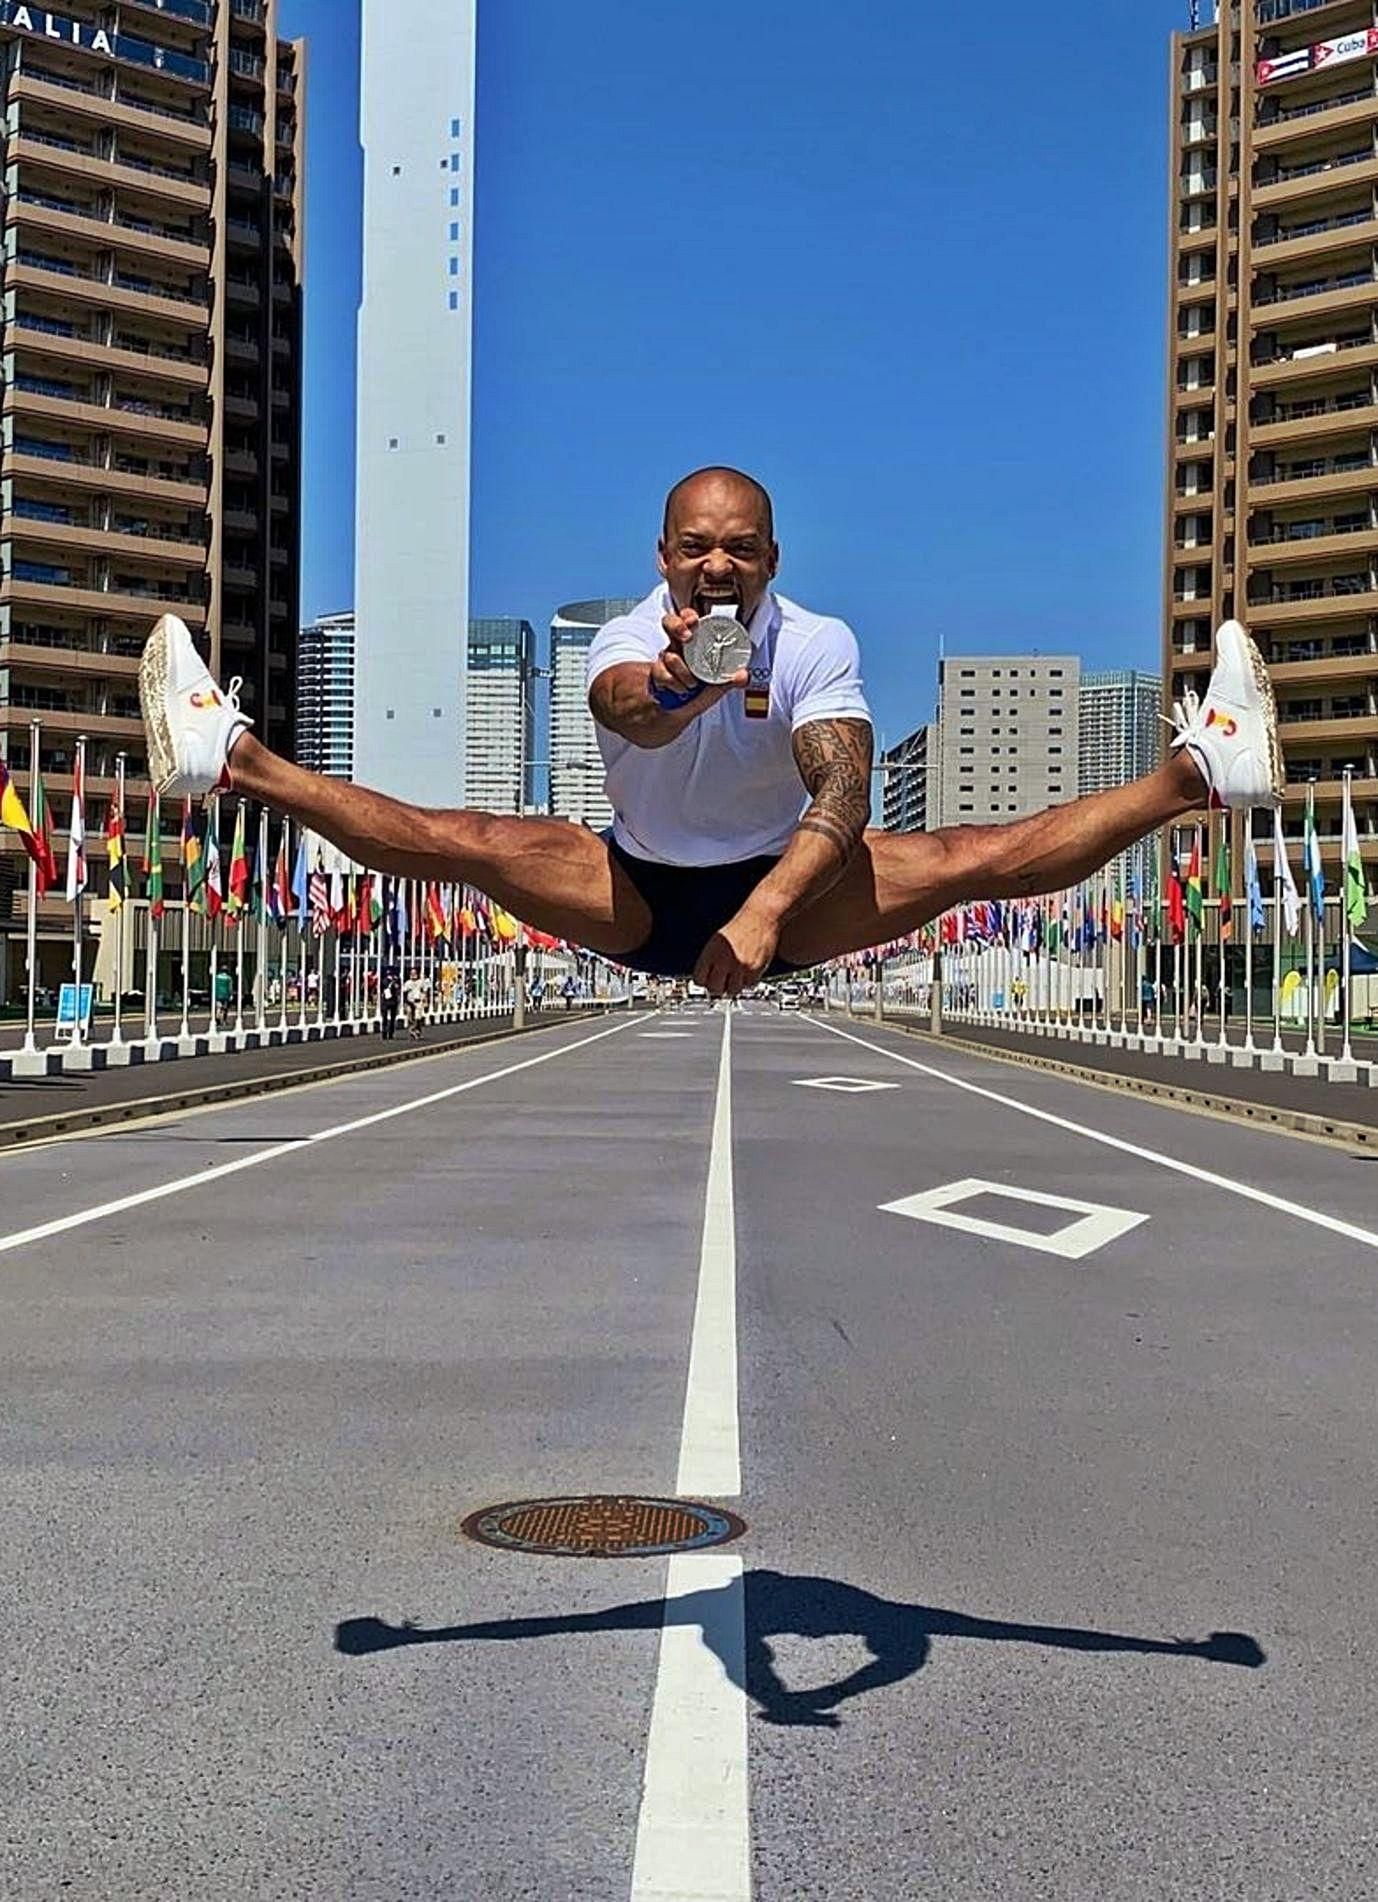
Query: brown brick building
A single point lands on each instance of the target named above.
(151, 338)
(1272, 484)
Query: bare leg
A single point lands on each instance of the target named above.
(899, 880)
(558, 877)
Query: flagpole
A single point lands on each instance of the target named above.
(186, 937)
(31, 923)
(239, 921)
(153, 844)
(261, 943)
(1346, 930)
(115, 915)
(1250, 864)
(1277, 931)
(1224, 898)
(78, 793)
(212, 915)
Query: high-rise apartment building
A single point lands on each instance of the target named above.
(500, 716)
(1006, 737)
(1272, 477)
(904, 775)
(576, 766)
(1121, 729)
(325, 696)
(151, 336)
(411, 589)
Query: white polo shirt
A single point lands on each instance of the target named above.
(728, 787)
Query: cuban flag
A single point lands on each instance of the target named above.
(1284, 66)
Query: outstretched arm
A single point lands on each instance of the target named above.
(834, 761)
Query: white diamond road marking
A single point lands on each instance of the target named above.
(1097, 1226)
(848, 1085)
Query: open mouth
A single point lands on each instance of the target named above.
(705, 601)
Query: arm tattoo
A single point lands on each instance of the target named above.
(834, 761)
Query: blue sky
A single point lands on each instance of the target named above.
(904, 263)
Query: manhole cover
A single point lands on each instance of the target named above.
(603, 1526)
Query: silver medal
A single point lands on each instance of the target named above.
(718, 647)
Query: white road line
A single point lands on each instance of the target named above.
(43, 1230)
(693, 1838)
(709, 1462)
(1317, 1217)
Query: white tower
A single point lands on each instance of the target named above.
(411, 580)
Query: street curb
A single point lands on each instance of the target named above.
(1263, 1115)
(70, 1122)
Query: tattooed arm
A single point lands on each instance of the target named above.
(834, 761)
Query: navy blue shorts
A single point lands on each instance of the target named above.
(688, 903)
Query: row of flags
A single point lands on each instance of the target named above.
(302, 890)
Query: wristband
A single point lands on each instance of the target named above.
(667, 697)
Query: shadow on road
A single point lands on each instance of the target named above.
(897, 1635)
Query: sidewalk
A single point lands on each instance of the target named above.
(31, 1109)
(1312, 1105)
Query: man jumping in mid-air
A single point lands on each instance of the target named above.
(718, 866)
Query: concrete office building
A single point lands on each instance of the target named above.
(151, 334)
(576, 766)
(325, 696)
(1006, 737)
(411, 594)
(1121, 728)
(500, 716)
(904, 776)
(1272, 467)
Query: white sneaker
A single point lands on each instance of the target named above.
(191, 725)
(1233, 733)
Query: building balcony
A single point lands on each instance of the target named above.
(241, 349)
(1310, 240)
(75, 102)
(102, 726)
(176, 552)
(1325, 359)
(243, 292)
(192, 13)
(244, 409)
(31, 338)
(1328, 669)
(1319, 419)
(1327, 731)
(1320, 479)
(32, 213)
(121, 418)
(241, 462)
(33, 146)
(81, 663)
(144, 609)
(1335, 601)
(1320, 297)
(77, 472)
(1288, 546)
(1301, 119)
(1312, 179)
(65, 282)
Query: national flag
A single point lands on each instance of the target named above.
(1254, 890)
(363, 905)
(1222, 886)
(1311, 859)
(193, 866)
(1176, 905)
(114, 853)
(276, 892)
(399, 912)
(318, 892)
(76, 835)
(237, 900)
(1054, 930)
(1283, 66)
(214, 883)
(1117, 919)
(12, 814)
(434, 914)
(1135, 914)
(296, 894)
(1196, 900)
(1355, 883)
(38, 804)
(1282, 870)
(153, 856)
(505, 926)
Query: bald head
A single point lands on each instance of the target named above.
(719, 484)
(717, 543)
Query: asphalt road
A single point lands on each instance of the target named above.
(257, 1363)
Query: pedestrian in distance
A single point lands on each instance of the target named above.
(737, 745)
(389, 998)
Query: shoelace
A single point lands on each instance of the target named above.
(1184, 715)
(232, 693)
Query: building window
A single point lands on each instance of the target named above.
(454, 194)
(454, 128)
(391, 714)
(454, 161)
(441, 440)
(392, 442)
(454, 231)
(967, 749)
(397, 171)
(454, 300)
(454, 267)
